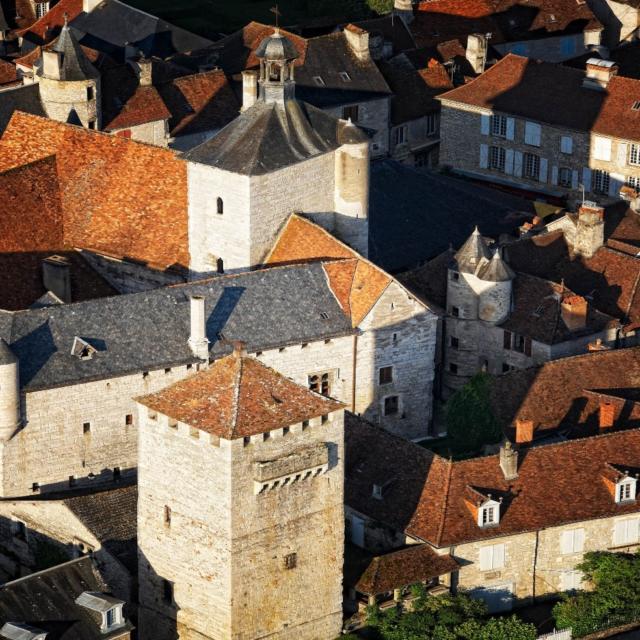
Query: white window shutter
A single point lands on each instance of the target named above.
(622, 154)
(578, 541)
(498, 556)
(485, 124)
(566, 144)
(566, 542)
(619, 533)
(554, 175)
(486, 558)
(511, 128)
(517, 164)
(484, 156)
(543, 169)
(633, 530)
(508, 162)
(574, 179)
(532, 133)
(586, 178)
(602, 148)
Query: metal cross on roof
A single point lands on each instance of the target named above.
(276, 11)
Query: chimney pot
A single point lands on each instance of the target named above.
(358, 41)
(524, 431)
(573, 310)
(198, 338)
(607, 414)
(599, 73)
(249, 89)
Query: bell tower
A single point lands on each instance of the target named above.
(277, 58)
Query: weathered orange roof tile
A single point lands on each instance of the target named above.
(237, 397)
(340, 274)
(44, 29)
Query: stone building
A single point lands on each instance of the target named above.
(507, 519)
(239, 557)
(494, 129)
(497, 319)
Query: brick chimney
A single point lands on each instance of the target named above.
(606, 414)
(573, 310)
(599, 73)
(524, 431)
(249, 89)
(56, 277)
(508, 461)
(198, 341)
(358, 40)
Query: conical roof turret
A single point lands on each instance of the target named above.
(472, 253)
(277, 47)
(497, 270)
(74, 64)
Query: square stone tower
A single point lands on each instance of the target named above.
(240, 512)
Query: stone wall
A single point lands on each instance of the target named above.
(227, 550)
(155, 133)
(554, 49)
(61, 100)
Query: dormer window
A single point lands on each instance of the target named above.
(620, 483)
(485, 509)
(380, 489)
(82, 349)
(19, 631)
(626, 490)
(109, 607)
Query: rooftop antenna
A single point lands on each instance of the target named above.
(277, 13)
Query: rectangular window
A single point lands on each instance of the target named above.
(566, 144)
(290, 561)
(431, 124)
(128, 419)
(634, 154)
(531, 166)
(505, 367)
(455, 312)
(399, 135)
(499, 126)
(488, 515)
(506, 340)
(633, 181)
(385, 375)
(492, 557)
(564, 177)
(626, 532)
(624, 491)
(455, 343)
(497, 156)
(391, 405)
(601, 181)
(602, 148)
(570, 580)
(92, 124)
(320, 383)
(350, 112)
(90, 93)
(532, 133)
(453, 368)
(572, 541)
(41, 9)
(167, 516)
(86, 427)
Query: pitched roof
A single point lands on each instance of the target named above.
(472, 253)
(47, 601)
(8, 73)
(74, 64)
(46, 28)
(267, 309)
(565, 393)
(356, 282)
(428, 498)
(269, 136)
(416, 563)
(238, 396)
(554, 94)
(118, 197)
(24, 98)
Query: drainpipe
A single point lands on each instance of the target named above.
(354, 363)
(535, 566)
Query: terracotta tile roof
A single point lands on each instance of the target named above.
(29, 60)
(199, 102)
(8, 73)
(402, 568)
(565, 393)
(145, 105)
(118, 197)
(239, 396)
(47, 27)
(511, 85)
(357, 287)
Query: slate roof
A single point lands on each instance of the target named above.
(269, 136)
(427, 498)
(74, 64)
(113, 24)
(472, 253)
(238, 396)
(565, 393)
(554, 94)
(414, 215)
(24, 98)
(116, 196)
(391, 29)
(46, 601)
(133, 333)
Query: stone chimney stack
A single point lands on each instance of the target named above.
(9, 391)
(56, 277)
(476, 52)
(508, 461)
(198, 341)
(89, 5)
(358, 40)
(524, 431)
(589, 230)
(574, 310)
(51, 64)
(599, 74)
(249, 89)
(606, 414)
(144, 71)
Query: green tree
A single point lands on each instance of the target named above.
(497, 629)
(470, 420)
(381, 7)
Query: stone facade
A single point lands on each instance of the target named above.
(71, 101)
(553, 49)
(155, 132)
(241, 564)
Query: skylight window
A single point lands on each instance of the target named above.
(636, 105)
(344, 76)
(319, 81)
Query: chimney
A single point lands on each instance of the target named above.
(590, 212)
(89, 5)
(198, 339)
(56, 277)
(51, 64)
(144, 70)
(524, 431)
(476, 52)
(573, 310)
(249, 89)
(606, 414)
(597, 345)
(599, 73)
(508, 461)
(358, 41)
(239, 348)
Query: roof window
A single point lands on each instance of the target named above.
(636, 105)
(82, 349)
(108, 606)
(15, 631)
(319, 81)
(344, 76)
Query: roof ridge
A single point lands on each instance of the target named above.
(236, 392)
(446, 502)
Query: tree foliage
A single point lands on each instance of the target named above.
(380, 6)
(615, 598)
(470, 420)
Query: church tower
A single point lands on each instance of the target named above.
(240, 511)
(69, 83)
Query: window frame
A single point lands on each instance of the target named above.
(600, 181)
(633, 158)
(497, 158)
(498, 125)
(568, 173)
(531, 166)
(388, 369)
(394, 401)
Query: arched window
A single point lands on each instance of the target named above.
(220, 265)
(220, 206)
